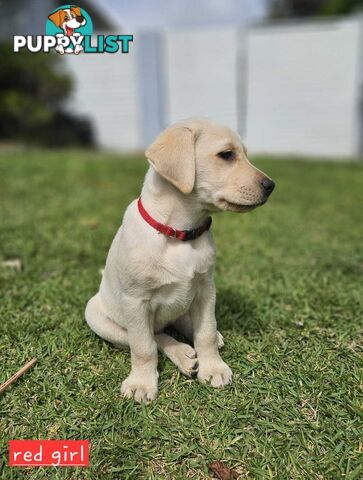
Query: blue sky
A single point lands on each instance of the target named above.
(144, 14)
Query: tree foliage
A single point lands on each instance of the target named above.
(33, 89)
(304, 8)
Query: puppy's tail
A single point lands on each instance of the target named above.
(103, 325)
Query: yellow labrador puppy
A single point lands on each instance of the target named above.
(159, 270)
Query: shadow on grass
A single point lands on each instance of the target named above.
(237, 312)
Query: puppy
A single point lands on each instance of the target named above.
(159, 270)
(68, 19)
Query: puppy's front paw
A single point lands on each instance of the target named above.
(216, 371)
(139, 388)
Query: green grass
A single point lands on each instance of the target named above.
(289, 303)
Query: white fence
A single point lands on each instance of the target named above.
(201, 75)
(106, 91)
(304, 88)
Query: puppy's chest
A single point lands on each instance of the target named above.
(177, 281)
(183, 265)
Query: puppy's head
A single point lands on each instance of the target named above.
(209, 160)
(68, 19)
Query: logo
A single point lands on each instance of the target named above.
(69, 24)
(69, 30)
(48, 453)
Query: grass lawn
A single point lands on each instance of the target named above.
(289, 304)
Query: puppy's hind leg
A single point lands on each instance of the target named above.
(181, 354)
(102, 325)
(184, 326)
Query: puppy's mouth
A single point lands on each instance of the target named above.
(69, 31)
(239, 207)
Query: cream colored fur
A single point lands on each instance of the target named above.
(151, 280)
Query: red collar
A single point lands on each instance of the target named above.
(183, 235)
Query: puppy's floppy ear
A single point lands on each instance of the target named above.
(173, 156)
(76, 10)
(56, 18)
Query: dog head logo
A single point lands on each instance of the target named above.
(69, 23)
(68, 19)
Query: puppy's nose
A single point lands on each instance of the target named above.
(268, 185)
(80, 19)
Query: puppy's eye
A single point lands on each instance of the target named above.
(66, 18)
(226, 155)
